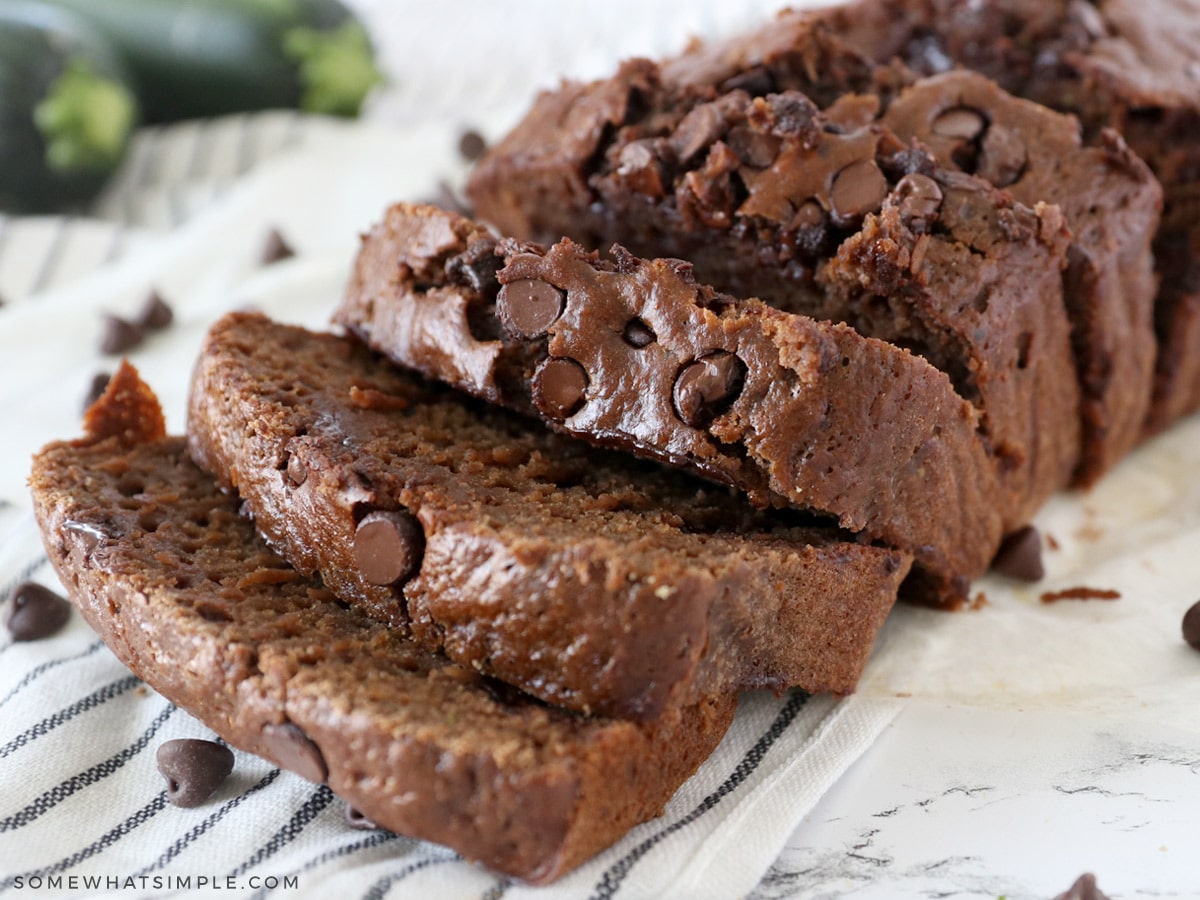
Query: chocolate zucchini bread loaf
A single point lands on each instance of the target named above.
(180, 587)
(635, 354)
(1130, 65)
(677, 157)
(591, 580)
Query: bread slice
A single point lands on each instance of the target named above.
(812, 414)
(160, 563)
(591, 580)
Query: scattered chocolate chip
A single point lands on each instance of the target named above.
(155, 314)
(707, 387)
(859, 188)
(388, 546)
(918, 196)
(355, 819)
(1002, 157)
(471, 145)
(559, 386)
(1191, 625)
(1084, 888)
(297, 471)
(295, 751)
(1020, 555)
(120, 335)
(275, 248)
(959, 122)
(194, 769)
(529, 306)
(638, 334)
(95, 389)
(35, 612)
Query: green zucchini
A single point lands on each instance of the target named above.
(196, 58)
(67, 109)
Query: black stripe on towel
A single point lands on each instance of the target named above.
(320, 799)
(379, 889)
(37, 672)
(98, 697)
(610, 882)
(379, 837)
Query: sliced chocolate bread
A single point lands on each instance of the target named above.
(635, 354)
(591, 580)
(160, 563)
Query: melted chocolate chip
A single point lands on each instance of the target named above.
(1191, 625)
(295, 751)
(559, 387)
(1020, 555)
(297, 471)
(808, 215)
(388, 546)
(753, 147)
(858, 189)
(529, 306)
(35, 612)
(476, 268)
(1002, 157)
(194, 769)
(638, 334)
(707, 387)
(275, 248)
(471, 145)
(918, 196)
(95, 389)
(120, 335)
(357, 820)
(155, 314)
(959, 122)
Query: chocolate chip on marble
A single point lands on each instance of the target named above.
(1020, 555)
(529, 306)
(1084, 888)
(1191, 625)
(959, 122)
(275, 248)
(918, 196)
(95, 389)
(155, 314)
(858, 189)
(638, 334)
(388, 546)
(1002, 156)
(119, 336)
(194, 769)
(559, 387)
(707, 387)
(297, 471)
(295, 751)
(356, 819)
(471, 145)
(35, 612)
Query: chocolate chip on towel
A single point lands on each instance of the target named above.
(1191, 625)
(35, 612)
(1084, 888)
(120, 335)
(1020, 555)
(276, 248)
(155, 314)
(471, 145)
(194, 769)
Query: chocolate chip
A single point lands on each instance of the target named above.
(1002, 157)
(120, 335)
(295, 751)
(638, 334)
(194, 769)
(918, 196)
(707, 387)
(756, 82)
(638, 169)
(529, 306)
(1191, 625)
(808, 215)
(471, 145)
(559, 386)
(275, 248)
(959, 122)
(35, 612)
(95, 389)
(753, 147)
(1084, 888)
(859, 188)
(297, 471)
(696, 131)
(155, 314)
(355, 819)
(476, 268)
(388, 546)
(1020, 555)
